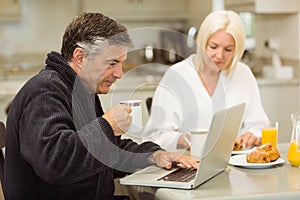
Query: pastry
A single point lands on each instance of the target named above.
(237, 146)
(273, 151)
(266, 147)
(258, 156)
(264, 154)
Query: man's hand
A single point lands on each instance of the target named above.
(248, 140)
(166, 159)
(119, 118)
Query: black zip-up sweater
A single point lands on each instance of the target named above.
(58, 145)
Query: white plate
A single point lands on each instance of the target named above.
(240, 161)
(243, 151)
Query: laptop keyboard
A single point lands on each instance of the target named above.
(180, 175)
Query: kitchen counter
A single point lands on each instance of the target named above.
(149, 75)
(276, 82)
(145, 77)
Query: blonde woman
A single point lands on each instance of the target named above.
(192, 90)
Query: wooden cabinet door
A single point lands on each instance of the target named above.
(263, 6)
(135, 10)
(10, 10)
(110, 7)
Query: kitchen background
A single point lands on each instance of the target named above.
(29, 29)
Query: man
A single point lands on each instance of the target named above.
(60, 143)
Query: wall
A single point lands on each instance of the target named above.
(42, 25)
(25, 42)
(283, 26)
(198, 9)
(39, 29)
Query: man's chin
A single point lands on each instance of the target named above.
(103, 91)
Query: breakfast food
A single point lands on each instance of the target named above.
(264, 154)
(272, 151)
(237, 146)
(258, 156)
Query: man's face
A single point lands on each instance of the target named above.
(103, 70)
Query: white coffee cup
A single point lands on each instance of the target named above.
(197, 141)
(136, 113)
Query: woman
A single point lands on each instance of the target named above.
(192, 90)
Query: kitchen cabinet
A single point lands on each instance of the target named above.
(280, 99)
(10, 10)
(263, 6)
(139, 10)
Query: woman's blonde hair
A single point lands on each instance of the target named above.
(231, 23)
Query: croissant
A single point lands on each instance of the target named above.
(237, 146)
(264, 154)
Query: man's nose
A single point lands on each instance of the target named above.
(118, 71)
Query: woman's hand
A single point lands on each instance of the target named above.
(181, 142)
(248, 140)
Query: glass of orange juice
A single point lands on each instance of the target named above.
(269, 133)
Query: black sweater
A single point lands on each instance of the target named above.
(58, 146)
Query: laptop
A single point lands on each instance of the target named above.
(214, 158)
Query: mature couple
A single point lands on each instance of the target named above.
(62, 145)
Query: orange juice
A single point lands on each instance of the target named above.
(294, 154)
(269, 135)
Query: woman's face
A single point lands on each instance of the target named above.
(220, 48)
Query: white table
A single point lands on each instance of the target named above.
(279, 182)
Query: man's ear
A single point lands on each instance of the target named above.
(78, 56)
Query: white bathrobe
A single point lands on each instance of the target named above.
(181, 103)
